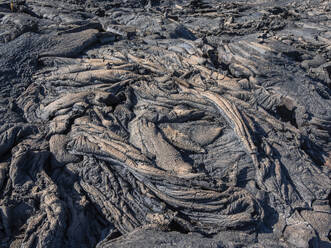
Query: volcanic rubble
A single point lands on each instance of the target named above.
(165, 123)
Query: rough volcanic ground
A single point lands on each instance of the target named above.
(165, 123)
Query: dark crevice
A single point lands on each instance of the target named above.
(286, 115)
(313, 151)
(175, 226)
(294, 55)
(114, 235)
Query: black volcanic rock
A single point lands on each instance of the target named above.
(165, 123)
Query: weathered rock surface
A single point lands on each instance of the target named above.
(165, 123)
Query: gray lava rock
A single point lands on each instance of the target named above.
(165, 123)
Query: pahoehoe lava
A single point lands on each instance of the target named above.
(153, 123)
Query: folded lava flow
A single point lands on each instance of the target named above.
(152, 123)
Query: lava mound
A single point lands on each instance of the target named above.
(165, 123)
